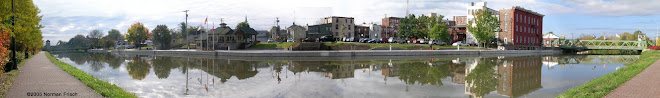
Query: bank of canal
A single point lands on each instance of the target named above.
(434, 76)
(602, 86)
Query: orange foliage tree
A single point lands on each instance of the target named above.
(4, 44)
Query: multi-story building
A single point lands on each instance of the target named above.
(316, 31)
(375, 31)
(457, 30)
(472, 10)
(390, 26)
(342, 27)
(519, 76)
(362, 30)
(521, 29)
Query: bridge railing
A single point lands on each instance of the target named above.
(603, 44)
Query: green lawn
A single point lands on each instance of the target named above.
(273, 45)
(104, 88)
(602, 86)
(403, 46)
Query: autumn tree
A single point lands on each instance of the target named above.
(162, 36)
(4, 46)
(137, 34)
(26, 28)
(483, 27)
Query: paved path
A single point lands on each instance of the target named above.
(42, 78)
(644, 85)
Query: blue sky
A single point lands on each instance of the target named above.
(64, 19)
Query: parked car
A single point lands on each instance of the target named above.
(327, 38)
(422, 41)
(459, 44)
(437, 42)
(363, 40)
(270, 40)
(373, 41)
(384, 40)
(394, 40)
(290, 40)
(309, 40)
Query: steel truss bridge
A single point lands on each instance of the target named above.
(603, 44)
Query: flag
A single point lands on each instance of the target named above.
(212, 29)
(199, 27)
(205, 20)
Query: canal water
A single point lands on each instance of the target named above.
(492, 76)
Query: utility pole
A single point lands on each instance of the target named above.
(186, 26)
(13, 40)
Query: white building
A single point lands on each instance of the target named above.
(296, 32)
(472, 10)
(375, 30)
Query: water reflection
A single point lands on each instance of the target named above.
(476, 77)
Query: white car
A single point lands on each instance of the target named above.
(459, 44)
(290, 40)
(437, 42)
(270, 40)
(422, 41)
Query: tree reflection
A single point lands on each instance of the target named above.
(163, 66)
(482, 79)
(138, 68)
(422, 73)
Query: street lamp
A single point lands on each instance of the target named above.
(185, 27)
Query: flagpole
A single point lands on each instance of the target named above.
(213, 37)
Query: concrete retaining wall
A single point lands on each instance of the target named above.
(279, 53)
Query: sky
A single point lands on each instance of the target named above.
(64, 19)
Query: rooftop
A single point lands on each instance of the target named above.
(526, 10)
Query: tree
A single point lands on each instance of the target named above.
(483, 27)
(137, 34)
(440, 32)
(79, 41)
(4, 46)
(26, 30)
(162, 36)
(115, 35)
(94, 38)
(483, 78)
(408, 27)
(243, 24)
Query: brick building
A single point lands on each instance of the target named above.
(390, 26)
(521, 29)
(457, 30)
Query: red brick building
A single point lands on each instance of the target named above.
(457, 30)
(390, 26)
(521, 29)
(362, 31)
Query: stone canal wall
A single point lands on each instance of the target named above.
(282, 53)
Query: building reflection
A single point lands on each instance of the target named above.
(519, 75)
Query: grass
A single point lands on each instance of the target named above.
(602, 86)
(104, 88)
(403, 46)
(7, 78)
(273, 45)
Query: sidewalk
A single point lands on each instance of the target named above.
(646, 84)
(41, 78)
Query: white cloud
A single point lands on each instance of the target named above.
(70, 17)
(615, 7)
